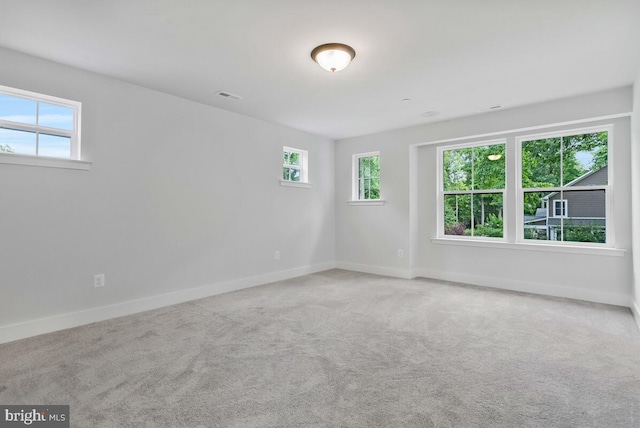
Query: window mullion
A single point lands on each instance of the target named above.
(7, 124)
(561, 187)
(473, 187)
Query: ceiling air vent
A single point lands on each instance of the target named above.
(224, 94)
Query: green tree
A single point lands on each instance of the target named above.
(488, 173)
(477, 168)
(489, 167)
(457, 169)
(542, 160)
(457, 214)
(493, 227)
(5, 148)
(369, 177)
(590, 232)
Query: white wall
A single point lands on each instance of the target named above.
(180, 195)
(635, 178)
(368, 237)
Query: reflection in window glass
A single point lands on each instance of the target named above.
(488, 167)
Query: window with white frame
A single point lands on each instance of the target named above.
(295, 165)
(568, 174)
(561, 181)
(560, 208)
(366, 177)
(472, 190)
(38, 125)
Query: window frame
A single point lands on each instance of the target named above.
(303, 168)
(514, 193)
(608, 188)
(355, 179)
(74, 134)
(564, 208)
(441, 193)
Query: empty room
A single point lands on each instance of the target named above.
(251, 213)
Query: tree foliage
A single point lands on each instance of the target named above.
(555, 162)
(590, 232)
(5, 148)
(476, 168)
(369, 177)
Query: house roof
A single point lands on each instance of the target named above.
(575, 181)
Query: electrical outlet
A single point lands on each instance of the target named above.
(98, 280)
(400, 253)
(277, 255)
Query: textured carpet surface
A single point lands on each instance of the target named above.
(341, 349)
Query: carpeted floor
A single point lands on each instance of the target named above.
(341, 349)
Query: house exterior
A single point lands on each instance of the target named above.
(571, 208)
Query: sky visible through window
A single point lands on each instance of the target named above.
(31, 112)
(585, 159)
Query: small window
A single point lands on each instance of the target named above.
(366, 177)
(39, 125)
(295, 165)
(560, 208)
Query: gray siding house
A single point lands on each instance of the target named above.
(571, 207)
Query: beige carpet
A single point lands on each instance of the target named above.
(341, 349)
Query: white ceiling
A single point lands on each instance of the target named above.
(455, 57)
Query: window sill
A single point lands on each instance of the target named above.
(368, 202)
(295, 184)
(568, 249)
(44, 161)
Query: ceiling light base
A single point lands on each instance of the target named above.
(333, 56)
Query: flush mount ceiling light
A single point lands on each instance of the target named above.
(333, 56)
(494, 157)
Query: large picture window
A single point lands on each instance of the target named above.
(473, 185)
(564, 186)
(555, 187)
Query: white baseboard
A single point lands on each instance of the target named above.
(635, 309)
(529, 287)
(11, 332)
(376, 270)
